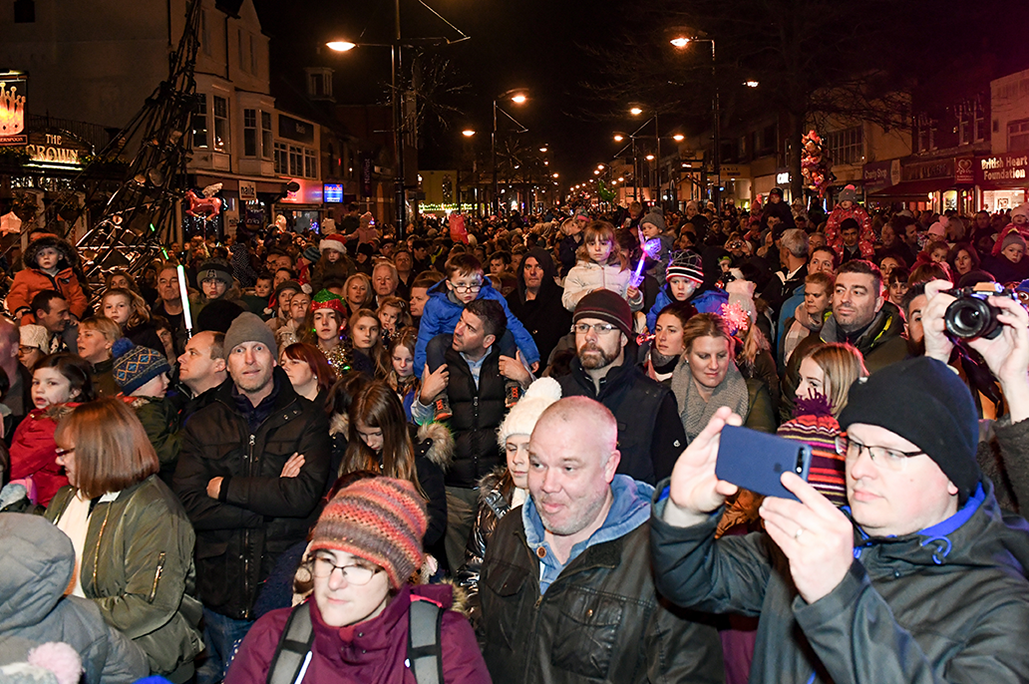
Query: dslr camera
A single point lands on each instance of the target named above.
(971, 316)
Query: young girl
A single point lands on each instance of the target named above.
(401, 375)
(334, 264)
(324, 329)
(130, 312)
(365, 343)
(48, 266)
(56, 380)
(393, 316)
(601, 266)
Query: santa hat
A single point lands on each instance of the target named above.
(334, 241)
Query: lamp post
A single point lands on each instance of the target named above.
(683, 38)
(636, 111)
(517, 96)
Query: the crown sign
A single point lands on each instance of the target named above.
(12, 110)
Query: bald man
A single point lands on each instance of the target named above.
(577, 547)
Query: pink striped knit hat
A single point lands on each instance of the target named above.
(379, 519)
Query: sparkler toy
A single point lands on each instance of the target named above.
(651, 248)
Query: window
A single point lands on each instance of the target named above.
(249, 132)
(221, 124)
(927, 127)
(964, 125)
(768, 139)
(310, 164)
(846, 146)
(296, 161)
(253, 56)
(317, 85)
(281, 159)
(1018, 135)
(24, 11)
(978, 122)
(239, 46)
(199, 119)
(205, 36)
(266, 135)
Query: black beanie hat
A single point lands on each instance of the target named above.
(926, 403)
(607, 306)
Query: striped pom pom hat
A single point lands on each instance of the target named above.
(328, 300)
(379, 519)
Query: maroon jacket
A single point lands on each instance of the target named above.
(372, 651)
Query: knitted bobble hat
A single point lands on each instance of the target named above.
(136, 366)
(328, 300)
(686, 264)
(215, 269)
(522, 417)
(381, 520)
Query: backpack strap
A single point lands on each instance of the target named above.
(424, 650)
(291, 655)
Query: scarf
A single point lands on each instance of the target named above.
(694, 411)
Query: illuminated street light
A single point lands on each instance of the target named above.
(680, 41)
(621, 179)
(600, 166)
(556, 175)
(678, 137)
(596, 173)
(519, 98)
(543, 149)
(650, 157)
(619, 137)
(341, 45)
(635, 111)
(751, 84)
(468, 133)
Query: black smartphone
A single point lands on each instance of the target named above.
(755, 460)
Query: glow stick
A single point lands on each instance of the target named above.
(651, 248)
(187, 316)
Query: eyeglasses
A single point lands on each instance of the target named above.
(358, 575)
(63, 452)
(466, 288)
(882, 456)
(599, 328)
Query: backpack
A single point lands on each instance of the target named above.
(424, 651)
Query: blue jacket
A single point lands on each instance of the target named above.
(708, 301)
(785, 313)
(441, 315)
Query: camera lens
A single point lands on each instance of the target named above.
(971, 317)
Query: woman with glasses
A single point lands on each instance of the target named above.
(707, 378)
(133, 541)
(364, 550)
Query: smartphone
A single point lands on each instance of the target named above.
(755, 460)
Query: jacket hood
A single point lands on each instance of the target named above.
(544, 259)
(62, 246)
(886, 325)
(978, 535)
(35, 567)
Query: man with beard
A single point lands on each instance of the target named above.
(650, 434)
(576, 550)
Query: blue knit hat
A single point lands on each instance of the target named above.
(136, 366)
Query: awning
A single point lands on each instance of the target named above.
(916, 189)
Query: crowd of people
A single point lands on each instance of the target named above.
(304, 470)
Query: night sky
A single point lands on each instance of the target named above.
(514, 43)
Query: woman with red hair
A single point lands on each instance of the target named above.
(308, 371)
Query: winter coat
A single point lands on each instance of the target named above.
(325, 271)
(371, 651)
(259, 514)
(544, 317)
(440, 317)
(434, 451)
(35, 569)
(1001, 457)
(477, 413)
(495, 494)
(137, 566)
(29, 282)
(160, 419)
(34, 453)
(706, 301)
(949, 603)
(600, 620)
(587, 276)
(650, 435)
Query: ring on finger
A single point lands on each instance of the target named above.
(800, 531)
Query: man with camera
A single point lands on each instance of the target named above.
(920, 579)
(1001, 454)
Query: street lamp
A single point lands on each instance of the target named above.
(517, 96)
(681, 38)
(636, 111)
(678, 137)
(467, 133)
(341, 45)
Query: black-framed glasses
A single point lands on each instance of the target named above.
(894, 459)
(599, 328)
(467, 288)
(358, 575)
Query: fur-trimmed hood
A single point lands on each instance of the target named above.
(435, 443)
(63, 247)
(339, 424)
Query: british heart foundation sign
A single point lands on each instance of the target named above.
(12, 109)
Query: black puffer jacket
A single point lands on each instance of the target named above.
(949, 604)
(260, 514)
(495, 494)
(477, 415)
(546, 319)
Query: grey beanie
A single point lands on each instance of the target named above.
(248, 327)
(655, 217)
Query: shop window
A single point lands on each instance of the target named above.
(1018, 135)
(199, 119)
(266, 135)
(24, 11)
(221, 123)
(281, 159)
(846, 146)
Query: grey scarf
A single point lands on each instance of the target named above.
(694, 411)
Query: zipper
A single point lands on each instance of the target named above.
(99, 540)
(157, 576)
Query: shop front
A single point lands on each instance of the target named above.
(1003, 180)
(939, 185)
(302, 207)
